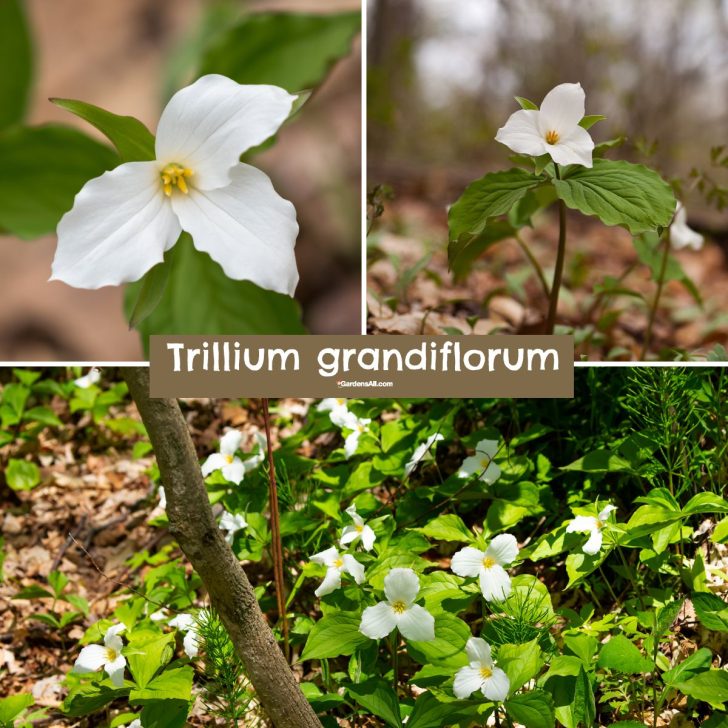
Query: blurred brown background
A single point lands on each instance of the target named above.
(442, 77)
(126, 57)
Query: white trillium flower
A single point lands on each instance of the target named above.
(122, 222)
(481, 464)
(682, 236)
(161, 615)
(108, 656)
(253, 462)
(186, 624)
(414, 622)
(495, 583)
(336, 564)
(553, 129)
(86, 381)
(481, 674)
(358, 529)
(592, 525)
(226, 460)
(232, 523)
(357, 425)
(420, 451)
(336, 407)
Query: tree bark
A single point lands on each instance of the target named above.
(192, 524)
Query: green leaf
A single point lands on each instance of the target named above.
(711, 610)
(87, 697)
(377, 696)
(520, 662)
(22, 474)
(133, 141)
(691, 666)
(525, 103)
(600, 461)
(705, 503)
(151, 291)
(33, 592)
(334, 635)
(666, 615)
(429, 712)
(43, 416)
(165, 714)
(462, 252)
(584, 707)
(720, 534)
(146, 653)
(42, 170)
(219, 305)
(448, 647)
(448, 527)
(174, 684)
(619, 193)
(710, 686)
(294, 51)
(13, 706)
(620, 655)
(717, 720)
(490, 196)
(16, 62)
(590, 119)
(534, 709)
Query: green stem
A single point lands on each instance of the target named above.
(658, 294)
(559, 270)
(534, 263)
(395, 662)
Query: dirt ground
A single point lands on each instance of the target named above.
(114, 55)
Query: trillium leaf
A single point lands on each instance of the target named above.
(294, 51)
(619, 193)
(429, 712)
(448, 647)
(334, 635)
(520, 662)
(490, 196)
(590, 119)
(377, 696)
(219, 305)
(11, 707)
(151, 290)
(133, 141)
(525, 103)
(621, 655)
(165, 714)
(42, 170)
(16, 62)
(534, 709)
(447, 527)
(174, 684)
(462, 253)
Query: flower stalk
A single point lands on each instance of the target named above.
(658, 295)
(559, 269)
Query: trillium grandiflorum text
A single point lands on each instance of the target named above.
(122, 222)
(495, 583)
(553, 129)
(414, 622)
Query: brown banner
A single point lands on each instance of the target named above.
(362, 366)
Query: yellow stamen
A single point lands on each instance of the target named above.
(111, 654)
(359, 529)
(339, 563)
(486, 672)
(175, 175)
(488, 562)
(399, 607)
(229, 459)
(484, 463)
(552, 137)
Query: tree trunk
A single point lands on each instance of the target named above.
(193, 526)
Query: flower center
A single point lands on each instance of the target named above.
(359, 529)
(484, 463)
(175, 175)
(339, 563)
(600, 524)
(111, 654)
(486, 672)
(488, 562)
(228, 458)
(552, 137)
(399, 607)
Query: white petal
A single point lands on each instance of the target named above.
(351, 512)
(216, 461)
(89, 379)
(594, 544)
(522, 134)
(115, 671)
(246, 227)
(467, 681)
(331, 582)
(91, 658)
(208, 125)
(183, 622)
(604, 513)
(230, 442)
(487, 447)
(416, 624)
(160, 615)
(491, 473)
(351, 443)
(503, 548)
(562, 109)
(472, 465)
(341, 417)
(681, 235)
(478, 650)
(191, 644)
(378, 621)
(328, 557)
(349, 534)
(114, 630)
(401, 585)
(467, 562)
(576, 148)
(497, 686)
(234, 472)
(368, 537)
(582, 523)
(162, 497)
(119, 227)
(495, 583)
(136, 723)
(353, 567)
(232, 522)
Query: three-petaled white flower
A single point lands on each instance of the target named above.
(122, 222)
(226, 460)
(682, 236)
(357, 426)
(482, 464)
(592, 525)
(553, 129)
(358, 529)
(231, 523)
(414, 622)
(108, 656)
(336, 564)
(420, 451)
(495, 583)
(336, 407)
(187, 624)
(481, 674)
(88, 380)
